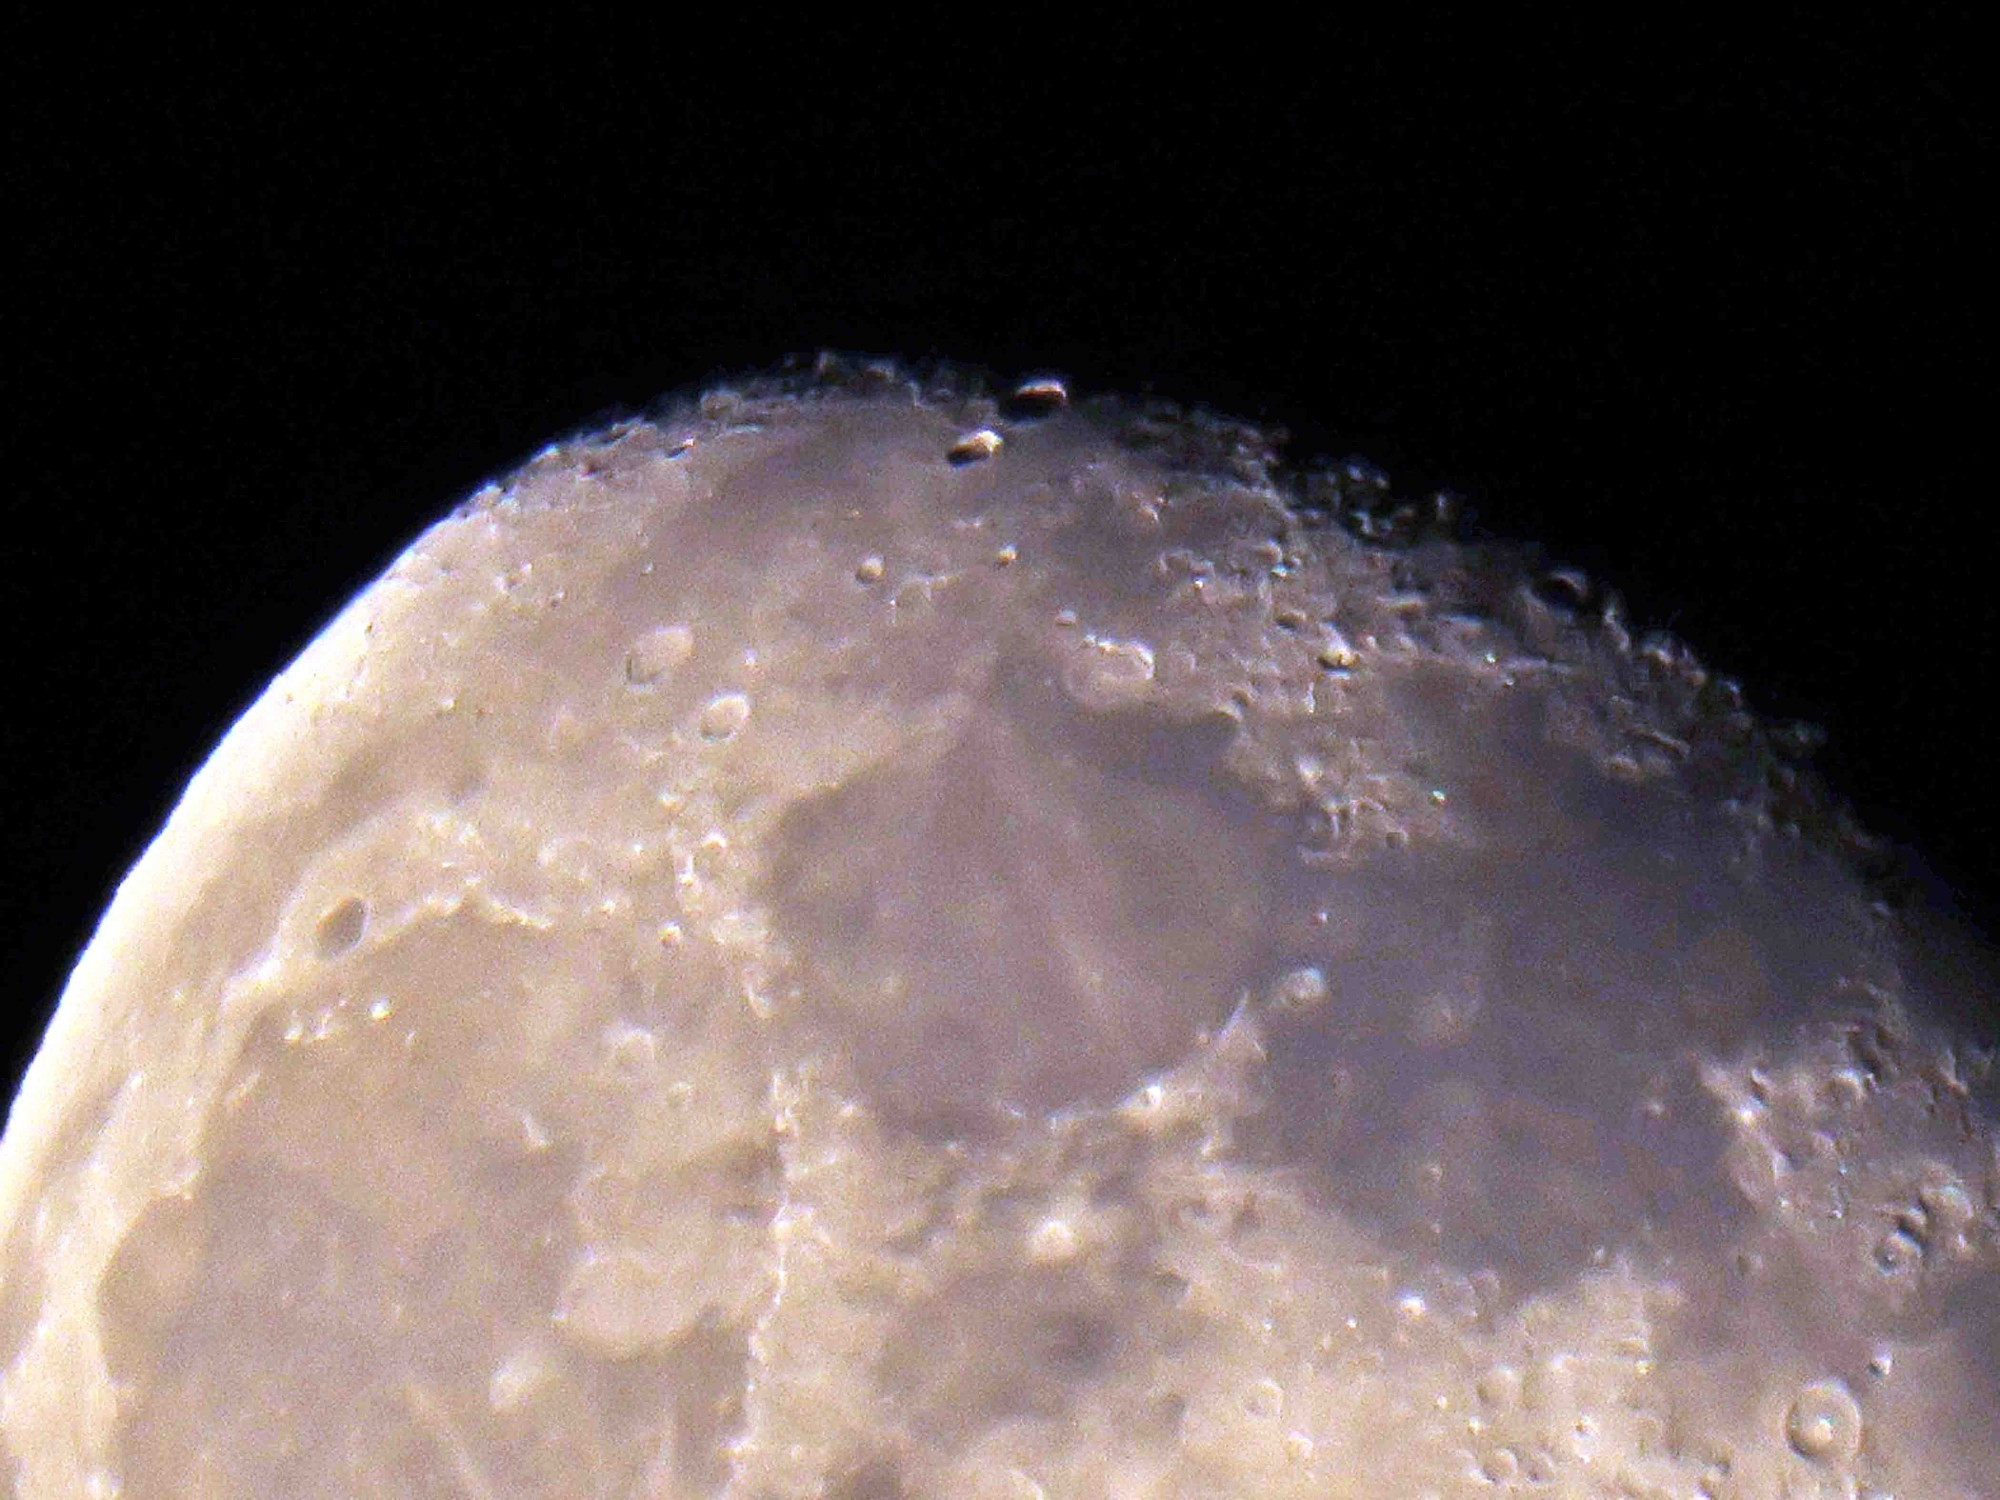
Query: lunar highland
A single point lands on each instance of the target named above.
(861, 939)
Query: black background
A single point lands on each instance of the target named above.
(1703, 311)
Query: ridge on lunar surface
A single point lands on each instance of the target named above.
(857, 939)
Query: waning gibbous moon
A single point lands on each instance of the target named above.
(859, 939)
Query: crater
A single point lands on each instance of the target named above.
(341, 928)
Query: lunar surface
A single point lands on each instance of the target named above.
(863, 939)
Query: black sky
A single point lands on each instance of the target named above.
(1703, 311)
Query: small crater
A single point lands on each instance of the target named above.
(1107, 673)
(1564, 589)
(1303, 988)
(340, 928)
(1038, 396)
(1263, 1400)
(632, 1052)
(657, 654)
(724, 716)
(1502, 1466)
(973, 447)
(1824, 1423)
(1500, 1387)
(1898, 1253)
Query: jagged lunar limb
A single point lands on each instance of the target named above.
(845, 941)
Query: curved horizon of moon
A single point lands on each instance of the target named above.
(857, 939)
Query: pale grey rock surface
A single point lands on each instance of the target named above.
(843, 942)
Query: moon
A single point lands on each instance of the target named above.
(860, 937)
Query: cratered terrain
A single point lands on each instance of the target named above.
(857, 938)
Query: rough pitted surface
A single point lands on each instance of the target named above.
(854, 940)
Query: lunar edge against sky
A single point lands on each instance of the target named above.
(855, 939)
